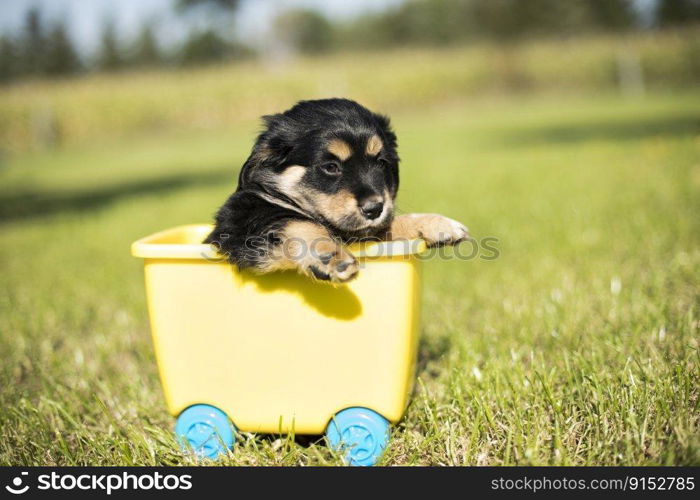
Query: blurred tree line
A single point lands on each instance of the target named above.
(47, 50)
(440, 22)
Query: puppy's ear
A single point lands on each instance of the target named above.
(271, 149)
(388, 135)
(389, 139)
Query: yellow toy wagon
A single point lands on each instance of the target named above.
(279, 353)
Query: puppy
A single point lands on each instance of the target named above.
(321, 175)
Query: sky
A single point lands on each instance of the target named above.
(86, 18)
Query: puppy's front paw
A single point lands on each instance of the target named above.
(338, 266)
(438, 230)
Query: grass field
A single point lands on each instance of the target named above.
(578, 345)
(104, 106)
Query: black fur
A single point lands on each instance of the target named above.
(248, 223)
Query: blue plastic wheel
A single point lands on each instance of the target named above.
(360, 433)
(205, 430)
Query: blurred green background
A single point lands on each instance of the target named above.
(569, 131)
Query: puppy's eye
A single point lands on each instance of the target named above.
(331, 168)
(383, 163)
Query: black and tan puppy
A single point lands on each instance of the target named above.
(322, 174)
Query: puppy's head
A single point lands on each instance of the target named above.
(334, 159)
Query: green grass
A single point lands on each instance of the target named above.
(79, 111)
(578, 345)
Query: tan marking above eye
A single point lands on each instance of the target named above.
(340, 149)
(374, 145)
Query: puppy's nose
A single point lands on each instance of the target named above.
(372, 207)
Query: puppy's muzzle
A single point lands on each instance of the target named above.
(371, 208)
